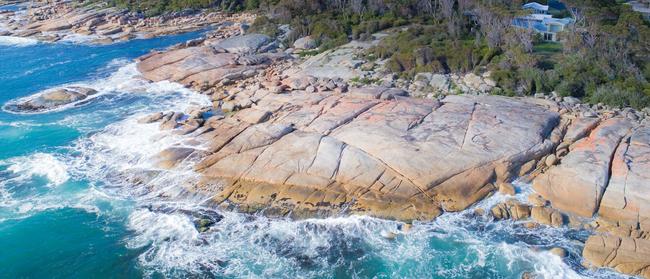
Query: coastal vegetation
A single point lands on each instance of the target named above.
(602, 58)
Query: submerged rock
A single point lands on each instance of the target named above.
(50, 99)
(558, 251)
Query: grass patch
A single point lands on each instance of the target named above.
(547, 48)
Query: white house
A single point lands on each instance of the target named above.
(541, 21)
(642, 7)
(537, 8)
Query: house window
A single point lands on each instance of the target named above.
(548, 36)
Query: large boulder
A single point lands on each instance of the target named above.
(194, 66)
(50, 99)
(440, 83)
(245, 44)
(402, 158)
(624, 254)
(627, 198)
(579, 128)
(305, 43)
(578, 183)
(67, 21)
(172, 156)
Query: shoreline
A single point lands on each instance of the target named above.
(100, 24)
(243, 171)
(289, 135)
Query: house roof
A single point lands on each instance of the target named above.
(523, 23)
(639, 7)
(535, 6)
(540, 26)
(562, 21)
(537, 17)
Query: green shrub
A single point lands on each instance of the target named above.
(620, 97)
(264, 25)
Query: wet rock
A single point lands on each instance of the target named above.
(405, 228)
(151, 118)
(170, 157)
(110, 31)
(531, 225)
(506, 188)
(527, 167)
(547, 216)
(558, 251)
(510, 209)
(50, 99)
(188, 126)
(388, 234)
(536, 200)
(170, 120)
(624, 254)
(529, 275)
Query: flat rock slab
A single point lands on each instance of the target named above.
(245, 44)
(627, 197)
(578, 183)
(401, 159)
(197, 66)
(624, 254)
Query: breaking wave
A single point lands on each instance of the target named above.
(180, 238)
(456, 245)
(126, 80)
(38, 164)
(17, 41)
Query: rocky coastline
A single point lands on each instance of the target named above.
(297, 136)
(305, 137)
(52, 21)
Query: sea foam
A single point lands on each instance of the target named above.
(125, 80)
(39, 164)
(17, 41)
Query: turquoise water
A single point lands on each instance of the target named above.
(72, 204)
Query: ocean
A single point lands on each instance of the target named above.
(72, 206)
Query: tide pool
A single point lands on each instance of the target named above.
(72, 206)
